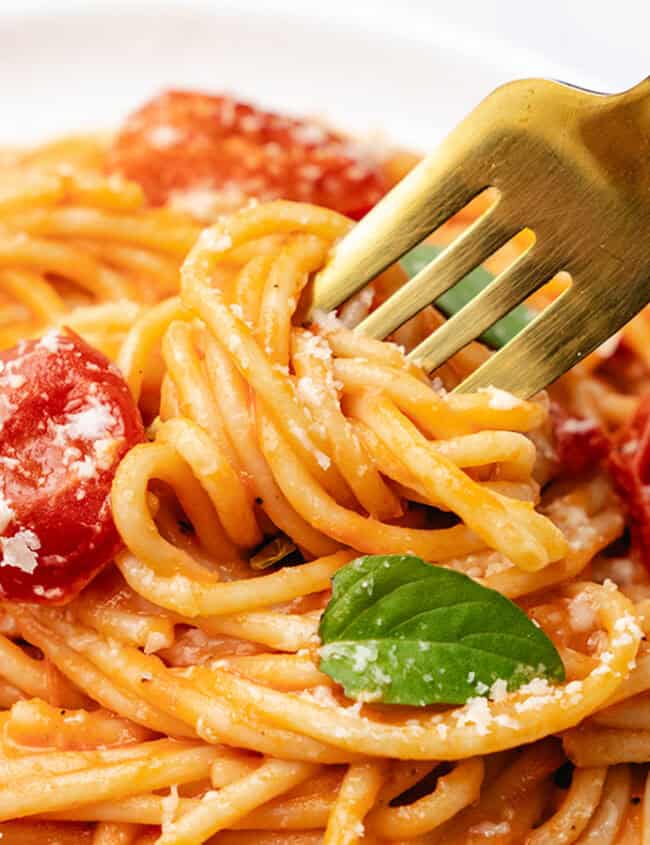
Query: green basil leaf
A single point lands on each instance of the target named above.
(455, 298)
(398, 630)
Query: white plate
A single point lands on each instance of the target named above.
(79, 66)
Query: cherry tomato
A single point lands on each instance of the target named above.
(181, 141)
(66, 420)
(580, 444)
(630, 468)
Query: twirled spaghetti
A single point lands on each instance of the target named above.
(178, 699)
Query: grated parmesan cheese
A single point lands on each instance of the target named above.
(90, 424)
(6, 409)
(52, 593)
(309, 391)
(238, 311)
(20, 550)
(326, 320)
(499, 690)
(51, 341)
(317, 347)
(164, 136)
(507, 722)
(490, 829)
(15, 380)
(85, 469)
(627, 630)
(214, 241)
(105, 451)
(205, 203)
(582, 615)
(301, 436)
(476, 712)
(169, 806)
(501, 400)
(357, 307)
(70, 453)
(362, 656)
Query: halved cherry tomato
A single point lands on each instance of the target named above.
(66, 420)
(630, 468)
(184, 140)
(580, 444)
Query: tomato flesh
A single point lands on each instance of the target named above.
(186, 140)
(580, 444)
(66, 419)
(630, 469)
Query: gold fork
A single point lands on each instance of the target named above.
(571, 165)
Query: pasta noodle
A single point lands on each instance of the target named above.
(179, 698)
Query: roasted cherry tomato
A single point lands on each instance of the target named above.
(630, 468)
(183, 141)
(580, 444)
(66, 420)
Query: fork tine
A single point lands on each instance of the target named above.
(466, 252)
(570, 328)
(431, 193)
(528, 273)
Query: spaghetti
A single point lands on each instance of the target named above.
(179, 698)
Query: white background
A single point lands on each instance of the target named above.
(608, 39)
(413, 66)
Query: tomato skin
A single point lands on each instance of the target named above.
(629, 466)
(580, 445)
(67, 418)
(182, 140)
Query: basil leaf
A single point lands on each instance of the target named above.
(455, 298)
(401, 631)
